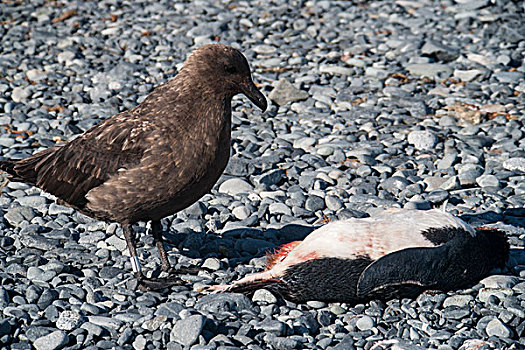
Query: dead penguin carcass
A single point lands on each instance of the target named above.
(399, 253)
(155, 159)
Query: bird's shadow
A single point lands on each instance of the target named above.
(238, 245)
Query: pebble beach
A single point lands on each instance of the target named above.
(372, 105)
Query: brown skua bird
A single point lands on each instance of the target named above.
(155, 159)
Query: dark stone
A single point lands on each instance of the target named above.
(224, 302)
(109, 272)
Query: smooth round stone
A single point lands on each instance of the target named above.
(487, 294)
(212, 264)
(314, 203)
(52, 341)
(279, 209)
(458, 300)
(499, 281)
(395, 184)
(235, 186)
(418, 204)
(325, 151)
(456, 313)
(305, 143)
(241, 212)
(333, 203)
(264, 49)
(31, 201)
(186, 331)
(365, 323)
(488, 181)
(337, 310)
(433, 182)
(422, 140)
(34, 273)
(316, 304)
(447, 120)
(497, 328)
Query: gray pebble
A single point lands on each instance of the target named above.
(515, 164)
(497, 328)
(499, 281)
(187, 331)
(235, 186)
(365, 323)
(314, 203)
(16, 215)
(422, 140)
(284, 92)
(458, 300)
(52, 341)
(264, 295)
(68, 320)
(279, 208)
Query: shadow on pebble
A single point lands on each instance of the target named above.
(239, 245)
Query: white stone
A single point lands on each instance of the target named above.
(422, 140)
(336, 70)
(19, 94)
(264, 295)
(498, 329)
(241, 212)
(515, 164)
(235, 186)
(68, 320)
(468, 75)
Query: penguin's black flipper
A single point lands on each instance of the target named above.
(460, 262)
(405, 272)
